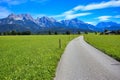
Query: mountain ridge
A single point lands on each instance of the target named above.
(23, 22)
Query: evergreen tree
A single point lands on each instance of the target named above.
(86, 32)
(13, 32)
(68, 32)
(49, 32)
(95, 33)
(4, 33)
(26, 33)
(55, 33)
(79, 32)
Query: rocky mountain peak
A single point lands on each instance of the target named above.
(20, 17)
(45, 19)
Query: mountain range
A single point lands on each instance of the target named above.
(24, 22)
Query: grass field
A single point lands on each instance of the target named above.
(110, 44)
(30, 57)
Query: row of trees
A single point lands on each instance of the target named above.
(16, 33)
(29, 33)
(67, 32)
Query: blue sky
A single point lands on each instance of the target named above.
(90, 11)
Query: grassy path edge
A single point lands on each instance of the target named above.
(103, 50)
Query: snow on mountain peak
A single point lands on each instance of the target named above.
(45, 19)
(21, 17)
(15, 17)
(27, 16)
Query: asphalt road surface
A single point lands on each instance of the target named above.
(81, 61)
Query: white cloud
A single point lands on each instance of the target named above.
(107, 17)
(68, 12)
(112, 3)
(80, 7)
(71, 16)
(4, 12)
(73, 13)
(104, 18)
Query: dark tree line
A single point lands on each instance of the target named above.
(16, 33)
(66, 32)
(29, 32)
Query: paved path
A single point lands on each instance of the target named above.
(81, 61)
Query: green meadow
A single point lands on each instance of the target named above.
(31, 57)
(109, 44)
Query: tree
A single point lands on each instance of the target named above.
(101, 33)
(13, 32)
(19, 33)
(8, 33)
(55, 33)
(86, 32)
(95, 33)
(26, 33)
(68, 32)
(105, 31)
(118, 31)
(79, 32)
(49, 32)
(4, 33)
